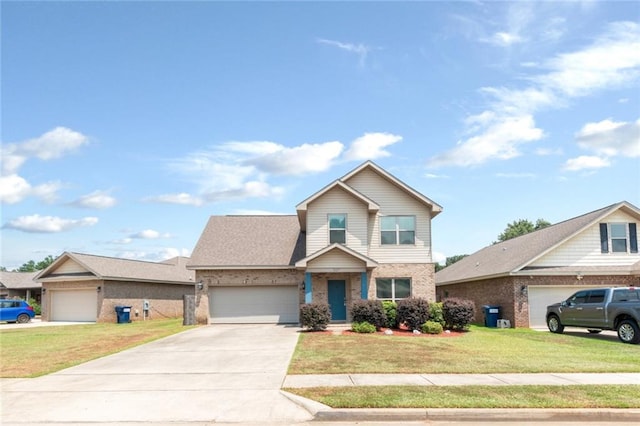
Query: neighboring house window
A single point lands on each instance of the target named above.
(338, 228)
(618, 238)
(398, 229)
(393, 288)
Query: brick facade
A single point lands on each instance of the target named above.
(511, 293)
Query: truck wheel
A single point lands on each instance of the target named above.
(628, 331)
(554, 324)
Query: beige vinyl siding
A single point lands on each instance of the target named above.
(336, 201)
(336, 259)
(394, 201)
(584, 248)
(69, 267)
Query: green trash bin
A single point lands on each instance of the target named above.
(123, 313)
(491, 315)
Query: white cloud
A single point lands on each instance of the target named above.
(251, 189)
(586, 162)
(611, 138)
(51, 145)
(149, 234)
(299, 160)
(609, 62)
(360, 50)
(181, 198)
(14, 188)
(371, 146)
(502, 38)
(499, 139)
(48, 224)
(155, 256)
(435, 176)
(95, 200)
(438, 257)
(123, 241)
(548, 151)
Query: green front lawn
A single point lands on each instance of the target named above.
(32, 352)
(481, 350)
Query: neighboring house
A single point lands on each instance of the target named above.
(366, 235)
(20, 285)
(525, 274)
(83, 287)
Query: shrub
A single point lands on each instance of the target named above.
(435, 313)
(36, 306)
(458, 313)
(432, 327)
(370, 311)
(391, 311)
(363, 327)
(315, 316)
(413, 312)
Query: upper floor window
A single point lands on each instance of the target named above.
(398, 230)
(338, 228)
(393, 288)
(618, 238)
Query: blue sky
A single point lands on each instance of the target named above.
(125, 125)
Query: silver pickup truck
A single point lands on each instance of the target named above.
(597, 309)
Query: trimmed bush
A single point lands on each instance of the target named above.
(458, 313)
(315, 316)
(391, 311)
(435, 313)
(432, 327)
(370, 311)
(413, 312)
(363, 327)
(37, 309)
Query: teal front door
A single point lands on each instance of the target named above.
(337, 300)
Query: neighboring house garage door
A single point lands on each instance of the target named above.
(74, 305)
(542, 296)
(254, 305)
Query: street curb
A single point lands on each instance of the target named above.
(480, 414)
(313, 407)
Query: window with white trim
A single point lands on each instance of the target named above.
(393, 288)
(338, 228)
(395, 230)
(618, 238)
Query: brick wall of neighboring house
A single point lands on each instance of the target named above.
(511, 293)
(422, 278)
(165, 300)
(239, 278)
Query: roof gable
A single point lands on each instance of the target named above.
(368, 262)
(510, 256)
(229, 242)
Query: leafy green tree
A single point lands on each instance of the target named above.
(32, 266)
(450, 261)
(521, 227)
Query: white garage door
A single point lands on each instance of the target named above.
(74, 305)
(254, 305)
(542, 296)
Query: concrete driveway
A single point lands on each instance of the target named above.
(217, 373)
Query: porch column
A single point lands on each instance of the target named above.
(308, 288)
(363, 286)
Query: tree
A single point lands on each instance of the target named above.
(32, 266)
(450, 261)
(521, 227)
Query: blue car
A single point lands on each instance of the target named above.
(15, 311)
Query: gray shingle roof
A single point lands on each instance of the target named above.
(17, 280)
(249, 241)
(114, 268)
(509, 256)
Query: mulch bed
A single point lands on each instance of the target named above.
(402, 332)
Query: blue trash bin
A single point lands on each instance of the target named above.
(491, 315)
(123, 314)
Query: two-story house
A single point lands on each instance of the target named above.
(525, 274)
(366, 235)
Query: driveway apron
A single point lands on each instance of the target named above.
(217, 373)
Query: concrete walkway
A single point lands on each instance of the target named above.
(316, 380)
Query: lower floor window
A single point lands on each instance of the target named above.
(393, 288)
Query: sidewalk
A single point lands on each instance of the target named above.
(318, 380)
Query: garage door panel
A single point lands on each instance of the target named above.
(542, 296)
(74, 305)
(254, 305)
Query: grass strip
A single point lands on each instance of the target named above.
(32, 352)
(534, 396)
